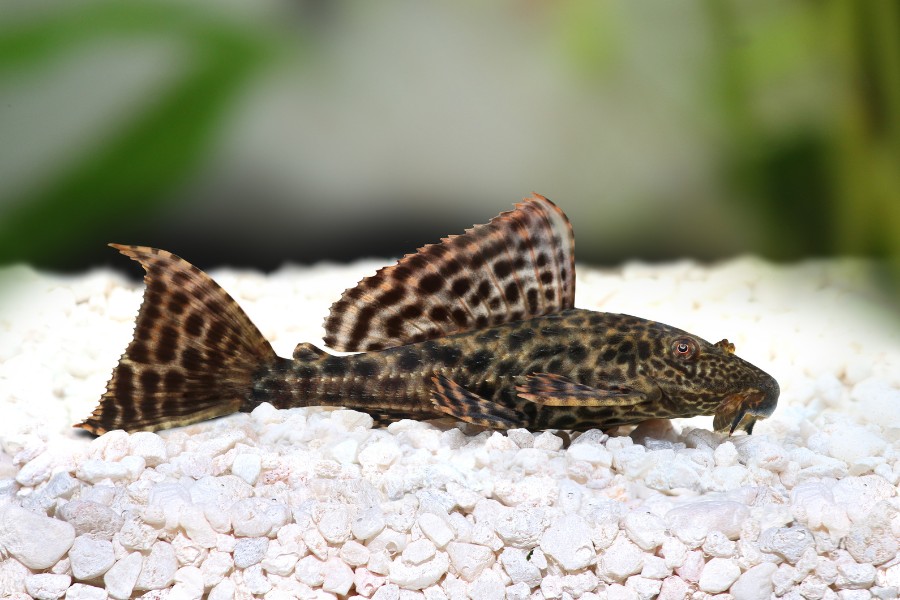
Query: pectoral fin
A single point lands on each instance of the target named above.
(548, 389)
(452, 399)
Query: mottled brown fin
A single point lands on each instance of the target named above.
(548, 389)
(452, 399)
(193, 354)
(518, 266)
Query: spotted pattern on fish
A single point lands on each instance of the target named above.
(481, 278)
(520, 356)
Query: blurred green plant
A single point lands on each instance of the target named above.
(141, 165)
(829, 183)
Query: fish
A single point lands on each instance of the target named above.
(480, 327)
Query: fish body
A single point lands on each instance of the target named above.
(480, 327)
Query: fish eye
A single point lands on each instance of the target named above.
(684, 348)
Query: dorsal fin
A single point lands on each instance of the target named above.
(518, 266)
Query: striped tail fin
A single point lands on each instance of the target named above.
(193, 356)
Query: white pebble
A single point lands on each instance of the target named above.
(519, 569)
(224, 590)
(645, 529)
(547, 441)
(469, 560)
(420, 576)
(61, 485)
(674, 588)
(187, 552)
(12, 576)
(36, 541)
(218, 564)
(149, 446)
(247, 467)
(873, 543)
(255, 581)
(692, 567)
(854, 595)
(220, 492)
(853, 443)
(593, 453)
(388, 540)
(787, 542)
(354, 554)
(551, 587)
(255, 517)
(693, 521)
(435, 529)
(121, 578)
(533, 490)
(717, 545)
(617, 591)
(521, 437)
(379, 455)
(91, 518)
(338, 578)
(368, 523)
(366, 582)
(37, 470)
(718, 575)
(646, 589)
(755, 583)
(389, 591)
(310, 570)
(674, 552)
(568, 541)
(418, 552)
(725, 454)
(346, 451)
(487, 585)
(249, 551)
(196, 526)
(759, 453)
(91, 557)
(655, 568)
(188, 584)
(80, 591)
(111, 446)
(334, 523)
(621, 560)
(47, 586)
(578, 584)
(521, 527)
(518, 591)
(95, 470)
(877, 402)
(159, 568)
(852, 575)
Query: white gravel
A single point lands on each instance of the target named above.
(315, 503)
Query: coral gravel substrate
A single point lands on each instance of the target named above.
(316, 503)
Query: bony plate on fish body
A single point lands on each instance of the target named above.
(480, 327)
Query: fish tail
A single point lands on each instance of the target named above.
(194, 355)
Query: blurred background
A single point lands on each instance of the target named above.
(255, 133)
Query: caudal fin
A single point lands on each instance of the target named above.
(193, 356)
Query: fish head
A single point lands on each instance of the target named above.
(699, 378)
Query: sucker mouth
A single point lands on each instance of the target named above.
(741, 411)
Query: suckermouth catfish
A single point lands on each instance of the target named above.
(480, 327)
